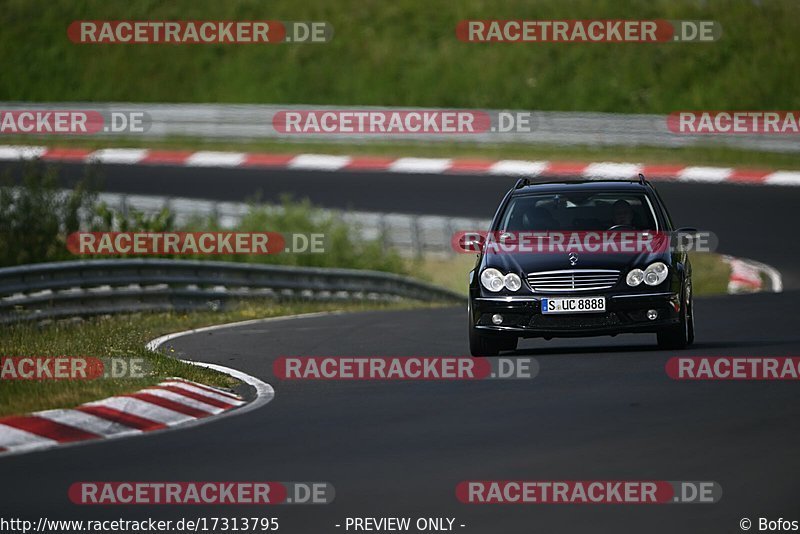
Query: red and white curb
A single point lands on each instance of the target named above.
(747, 276)
(172, 404)
(321, 162)
(166, 404)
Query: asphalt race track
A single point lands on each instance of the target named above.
(601, 408)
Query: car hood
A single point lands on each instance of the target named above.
(524, 263)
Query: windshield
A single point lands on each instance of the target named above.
(578, 211)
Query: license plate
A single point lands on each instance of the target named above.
(574, 305)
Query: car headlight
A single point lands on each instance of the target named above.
(635, 277)
(512, 282)
(655, 274)
(492, 279)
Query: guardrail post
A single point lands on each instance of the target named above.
(215, 213)
(383, 233)
(416, 243)
(448, 236)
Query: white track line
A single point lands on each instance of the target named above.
(264, 391)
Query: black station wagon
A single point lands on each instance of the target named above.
(582, 258)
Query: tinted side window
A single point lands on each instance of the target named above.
(663, 208)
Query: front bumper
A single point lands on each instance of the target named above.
(625, 313)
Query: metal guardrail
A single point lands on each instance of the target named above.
(100, 287)
(254, 121)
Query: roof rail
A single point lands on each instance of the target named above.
(522, 182)
(642, 179)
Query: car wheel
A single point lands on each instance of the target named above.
(487, 345)
(482, 345)
(680, 335)
(690, 318)
(509, 343)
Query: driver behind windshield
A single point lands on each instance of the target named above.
(622, 214)
(540, 219)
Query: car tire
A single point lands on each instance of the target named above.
(487, 345)
(482, 345)
(681, 335)
(690, 318)
(509, 343)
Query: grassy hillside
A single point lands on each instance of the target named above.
(404, 52)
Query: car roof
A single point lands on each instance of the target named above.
(582, 185)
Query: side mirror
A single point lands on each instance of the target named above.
(684, 238)
(471, 243)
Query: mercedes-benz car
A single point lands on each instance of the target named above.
(553, 265)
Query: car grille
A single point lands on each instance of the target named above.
(555, 322)
(573, 280)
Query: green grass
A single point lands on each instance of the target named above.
(405, 53)
(710, 274)
(124, 337)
